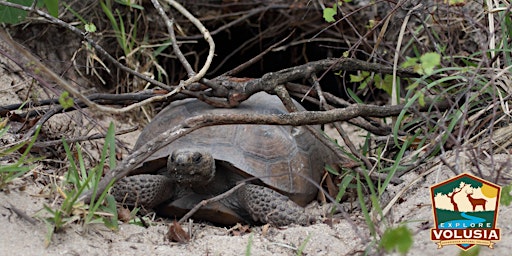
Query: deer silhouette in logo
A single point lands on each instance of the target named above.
(476, 201)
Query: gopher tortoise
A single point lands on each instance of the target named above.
(211, 160)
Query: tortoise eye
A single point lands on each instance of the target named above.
(173, 158)
(197, 157)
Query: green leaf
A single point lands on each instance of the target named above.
(356, 78)
(399, 238)
(385, 84)
(359, 78)
(130, 4)
(11, 15)
(412, 86)
(474, 251)
(91, 28)
(421, 99)
(52, 6)
(409, 62)
(506, 197)
(457, 2)
(429, 61)
(329, 13)
(418, 69)
(65, 101)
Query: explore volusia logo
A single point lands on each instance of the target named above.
(465, 212)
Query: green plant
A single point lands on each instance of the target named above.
(399, 239)
(78, 179)
(473, 251)
(506, 196)
(329, 12)
(9, 172)
(249, 245)
(12, 15)
(302, 246)
(125, 40)
(423, 65)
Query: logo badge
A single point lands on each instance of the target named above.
(465, 212)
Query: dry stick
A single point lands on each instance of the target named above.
(81, 138)
(356, 152)
(319, 91)
(21, 214)
(117, 99)
(360, 122)
(206, 34)
(210, 200)
(169, 24)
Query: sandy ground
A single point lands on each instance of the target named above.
(19, 237)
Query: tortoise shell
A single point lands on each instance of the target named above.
(280, 156)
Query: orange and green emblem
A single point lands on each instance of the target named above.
(465, 212)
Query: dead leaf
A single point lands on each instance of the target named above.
(177, 234)
(264, 229)
(123, 214)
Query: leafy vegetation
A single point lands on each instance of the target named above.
(399, 239)
(9, 172)
(77, 180)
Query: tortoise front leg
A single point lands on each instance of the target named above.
(143, 190)
(268, 206)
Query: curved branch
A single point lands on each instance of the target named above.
(196, 77)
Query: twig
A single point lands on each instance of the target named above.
(21, 214)
(104, 98)
(81, 138)
(285, 98)
(210, 200)
(169, 24)
(206, 34)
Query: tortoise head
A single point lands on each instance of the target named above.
(191, 167)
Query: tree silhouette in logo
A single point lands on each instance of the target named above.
(453, 188)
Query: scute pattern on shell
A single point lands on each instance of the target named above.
(279, 155)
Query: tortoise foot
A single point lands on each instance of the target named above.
(268, 206)
(143, 190)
